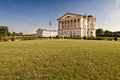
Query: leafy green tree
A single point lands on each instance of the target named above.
(20, 34)
(9, 34)
(99, 32)
(14, 34)
(116, 34)
(3, 31)
(108, 33)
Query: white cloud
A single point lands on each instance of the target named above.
(27, 18)
(117, 4)
(20, 17)
(113, 19)
(19, 26)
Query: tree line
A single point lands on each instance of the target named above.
(107, 33)
(5, 35)
(4, 31)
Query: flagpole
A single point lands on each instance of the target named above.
(50, 28)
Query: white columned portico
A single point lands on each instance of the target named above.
(72, 24)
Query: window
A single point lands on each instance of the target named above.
(67, 16)
(68, 22)
(91, 33)
(73, 32)
(78, 20)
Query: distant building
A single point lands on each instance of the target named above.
(70, 25)
(46, 33)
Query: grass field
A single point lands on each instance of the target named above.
(60, 60)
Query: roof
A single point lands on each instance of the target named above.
(89, 16)
(46, 30)
(70, 14)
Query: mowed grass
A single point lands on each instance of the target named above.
(60, 60)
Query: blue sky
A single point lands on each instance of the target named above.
(28, 15)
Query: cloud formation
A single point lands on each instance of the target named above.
(16, 16)
(113, 20)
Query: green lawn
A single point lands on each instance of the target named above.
(60, 60)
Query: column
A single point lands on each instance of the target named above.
(73, 24)
(59, 24)
(64, 24)
(76, 24)
(81, 22)
(69, 23)
(81, 26)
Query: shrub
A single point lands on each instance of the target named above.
(77, 37)
(0, 37)
(13, 38)
(116, 38)
(91, 38)
(84, 37)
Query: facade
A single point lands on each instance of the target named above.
(46, 33)
(70, 25)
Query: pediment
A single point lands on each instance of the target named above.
(69, 15)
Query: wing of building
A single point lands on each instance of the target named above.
(71, 25)
(46, 33)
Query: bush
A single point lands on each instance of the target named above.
(91, 38)
(28, 38)
(5, 39)
(0, 37)
(13, 38)
(84, 37)
(25, 38)
(104, 38)
(116, 38)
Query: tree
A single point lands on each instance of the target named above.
(14, 34)
(20, 34)
(108, 33)
(99, 32)
(9, 34)
(116, 33)
(13, 38)
(3, 31)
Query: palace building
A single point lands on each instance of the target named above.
(46, 33)
(71, 25)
